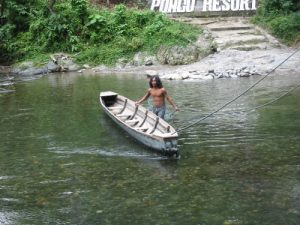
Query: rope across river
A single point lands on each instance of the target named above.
(248, 89)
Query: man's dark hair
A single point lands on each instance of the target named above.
(158, 82)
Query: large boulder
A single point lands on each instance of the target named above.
(60, 62)
(65, 62)
(144, 59)
(53, 67)
(29, 69)
(179, 55)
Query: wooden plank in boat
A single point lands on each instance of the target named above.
(133, 121)
(144, 129)
(115, 107)
(124, 115)
(108, 93)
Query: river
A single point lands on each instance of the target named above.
(62, 161)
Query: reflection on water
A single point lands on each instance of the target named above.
(63, 161)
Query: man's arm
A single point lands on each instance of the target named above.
(146, 96)
(170, 100)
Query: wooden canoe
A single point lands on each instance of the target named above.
(140, 123)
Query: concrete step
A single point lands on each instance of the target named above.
(238, 39)
(250, 47)
(237, 33)
(233, 32)
(249, 42)
(217, 28)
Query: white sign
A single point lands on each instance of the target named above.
(228, 5)
(171, 6)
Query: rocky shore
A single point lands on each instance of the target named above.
(241, 50)
(229, 48)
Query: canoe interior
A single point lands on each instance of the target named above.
(140, 120)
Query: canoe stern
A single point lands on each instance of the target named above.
(171, 147)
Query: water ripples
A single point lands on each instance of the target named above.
(222, 130)
(108, 152)
(7, 218)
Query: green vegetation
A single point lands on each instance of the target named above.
(30, 29)
(281, 18)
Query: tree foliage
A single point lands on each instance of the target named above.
(281, 17)
(100, 36)
(280, 6)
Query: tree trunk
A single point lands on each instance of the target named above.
(2, 6)
(51, 5)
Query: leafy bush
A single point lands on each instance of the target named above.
(58, 31)
(281, 17)
(97, 36)
(280, 6)
(6, 44)
(127, 31)
(286, 27)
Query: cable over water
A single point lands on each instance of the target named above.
(276, 99)
(234, 99)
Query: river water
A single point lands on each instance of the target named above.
(62, 161)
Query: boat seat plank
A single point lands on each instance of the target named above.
(124, 115)
(144, 129)
(115, 107)
(167, 135)
(132, 121)
(108, 94)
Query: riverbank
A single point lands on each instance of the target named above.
(224, 64)
(227, 63)
(242, 50)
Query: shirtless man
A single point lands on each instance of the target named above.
(158, 94)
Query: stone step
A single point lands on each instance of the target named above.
(219, 28)
(249, 41)
(239, 39)
(236, 33)
(250, 47)
(233, 32)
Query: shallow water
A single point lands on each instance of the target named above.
(62, 161)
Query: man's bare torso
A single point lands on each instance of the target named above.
(158, 96)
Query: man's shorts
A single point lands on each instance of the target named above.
(159, 111)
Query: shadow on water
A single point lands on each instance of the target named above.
(119, 144)
(124, 144)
